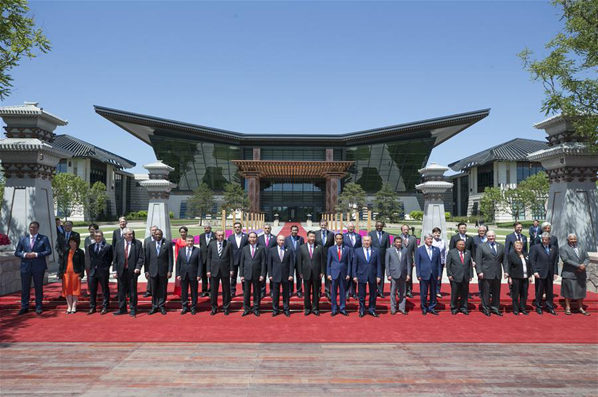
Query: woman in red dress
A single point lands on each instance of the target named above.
(71, 271)
(180, 243)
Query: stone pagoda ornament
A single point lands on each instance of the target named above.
(434, 187)
(158, 189)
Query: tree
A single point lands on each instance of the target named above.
(70, 192)
(18, 38)
(387, 205)
(352, 198)
(96, 199)
(235, 198)
(537, 187)
(201, 202)
(569, 71)
(489, 203)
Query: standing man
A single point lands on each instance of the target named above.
(490, 260)
(427, 269)
(101, 255)
(294, 242)
(62, 239)
(220, 269)
(129, 258)
(280, 269)
(311, 270)
(238, 240)
(252, 270)
(325, 238)
(410, 243)
(118, 234)
(366, 267)
(398, 263)
(546, 228)
(188, 272)
(544, 260)
(534, 232)
(338, 272)
(381, 242)
(351, 240)
(461, 235)
(515, 236)
(204, 241)
(59, 228)
(33, 248)
(459, 269)
(158, 268)
(267, 240)
(148, 287)
(477, 241)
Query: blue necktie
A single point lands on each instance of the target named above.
(547, 250)
(493, 249)
(367, 255)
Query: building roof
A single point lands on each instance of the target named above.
(79, 148)
(514, 150)
(143, 127)
(31, 109)
(279, 169)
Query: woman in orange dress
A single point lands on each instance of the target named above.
(71, 271)
(180, 243)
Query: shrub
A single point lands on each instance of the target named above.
(417, 215)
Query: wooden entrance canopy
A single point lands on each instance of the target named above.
(278, 169)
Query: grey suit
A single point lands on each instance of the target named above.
(491, 265)
(573, 285)
(398, 264)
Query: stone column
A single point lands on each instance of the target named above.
(158, 189)
(433, 188)
(332, 188)
(253, 191)
(572, 172)
(29, 162)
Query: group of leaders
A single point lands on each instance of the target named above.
(349, 263)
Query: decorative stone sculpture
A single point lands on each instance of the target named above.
(434, 187)
(158, 189)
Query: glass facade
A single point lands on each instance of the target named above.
(293, 200)
(525, 170)
(485, 177)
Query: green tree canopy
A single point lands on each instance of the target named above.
(96, 199)
(201, 202)
(70, 192)
(352, 198)
(235, 198)
(387, 205)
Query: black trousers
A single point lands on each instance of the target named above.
(459, 294)
(491, 286)
(233, 281)
(372, 302)
(299, 283)
(205, 283)
(103, 280)
(409, 284)
(215, 285)
(159, 285)
(275, 288)
(127, 286)
(544, 286)
(519, 293)
(350, 288)
(189, 282)
(311, 295)
(327, 286)
(247, 289)
(38, 283)
(381, 283)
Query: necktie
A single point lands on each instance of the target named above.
(493, 249)
(380, 238)
(311, 252)
(519, 237)
(399, 255)
(367, 255)
(158, 248)
(576, 250)
(547, 250)
(219, 248)
(463, 237)
(127, 256)
(430, 253)
(281, 253)
(352, 239)
(323, 237)
(294, 243)
(339, 253)
(32, 241)
(252, 251)
(188, 254)
(461, 255)
(208, 238)
(406, 240)
(97, 248)
(267, 240)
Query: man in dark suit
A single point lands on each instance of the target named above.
(158, 268)
(366, 268)
(204, 240)
(409, 243)
(325, 238)
(381, 242)
(266, 240)
(148, 287)
(398, 262)
(101, 255)
(351, 240)
(252, 270)
(311, 270)
(59, 227)
(428, 269)
(188, 272)
(220, 269)
(546, 228)
(238, 240)
(461, 235)
(280, 269)
(477, 241)
(534, 232)
(489, 263)
(459, 269)
(294, 242)
(338, 272)
(33, 249)
(515, 236)
(118, 234)
(544, 260)
(129, 258)
(62, 239)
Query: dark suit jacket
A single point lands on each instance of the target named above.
(288, 242)
(553, 241)
(135, 260)
(41, 246)
(477, 240)
(411, 246)
(510, 240)
(367, 271)
(62, 243)
(78, 262)
(457, 237)
(220, 266)
(236, 250)
(426, 268)
(253, 268)
(203, 246)
(347, 240)
(99, 263)
(339, 268)
(533, 234)
(159, 264)
(515, 265)
(381, 246)
(261, 242)
(546, 265)
(326, 244)
(116, 236)
(313, 266)
(488, 263)
(461, 272)
(189, 269)
(396, 268)
(277, 269)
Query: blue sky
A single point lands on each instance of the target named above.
(289, 67)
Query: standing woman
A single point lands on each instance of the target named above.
(180, 243)
(71, 271)
(439, 243)
(573, 283)
(520, 275)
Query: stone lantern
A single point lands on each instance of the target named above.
(434, 187)
(158, 189)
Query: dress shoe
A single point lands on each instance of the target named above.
(454, 312)
(91, 311)
(104, 311)
(379, 294)
(38, 311)
(185, 310)
(439, 296)
(287, 313)
(133, 313)
(434, 312)
(361, 314)
(147, 295)
(213, 312)
(486, 313)
(204, 294)
(409, 295)
(153, 311)
(316, 313)
(403, 312)
(163, 311)
(497, 313)
(393, 312)
(22, 311)
(193, 311)
(525, 312)
(539, 311)
(551, 311)
(424, 312)
(274, 314)
(245, 313)
(466, 312)
(256, 313)
(299, 294)
(344, 313)
(306, 313)
(516, 313)
(119, 313)
(226, 312)
(332, 314)
(373, 314)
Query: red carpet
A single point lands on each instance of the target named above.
(286, 229)
(56, 326)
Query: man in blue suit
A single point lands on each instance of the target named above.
(515, 236)
(366, 267)
(338, 270)
(33, 249)
(351, 240)
(428, 270)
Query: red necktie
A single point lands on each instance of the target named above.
(461, 255)
(252, 251)
(339, 253)
(267, 240)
